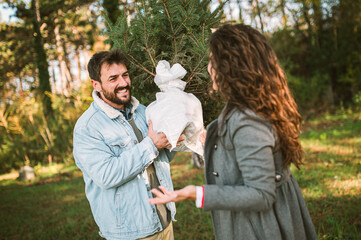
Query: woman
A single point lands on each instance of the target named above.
(250, 190)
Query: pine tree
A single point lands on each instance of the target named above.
(172, 30)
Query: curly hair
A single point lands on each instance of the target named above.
(249, 76)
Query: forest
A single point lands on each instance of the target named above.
(44, 88)
(46, 44)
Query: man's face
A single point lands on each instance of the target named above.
(114, 87)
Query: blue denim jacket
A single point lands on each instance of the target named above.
(113, 165)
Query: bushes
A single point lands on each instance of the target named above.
(30, 137)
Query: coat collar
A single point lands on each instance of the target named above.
(109, 110)
(211, 139)
(222, 130)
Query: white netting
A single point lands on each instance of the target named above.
(175, 112)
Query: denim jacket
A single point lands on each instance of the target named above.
(114, 170)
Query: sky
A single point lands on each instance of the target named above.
(231, 10)
(5, 13)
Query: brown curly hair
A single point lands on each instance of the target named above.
(249, 76)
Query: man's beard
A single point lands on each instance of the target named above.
(112, 96)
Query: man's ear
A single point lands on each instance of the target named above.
(96, 85)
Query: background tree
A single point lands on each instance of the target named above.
(41, 60)
(317, 42)
(28, 135)
(176, 31)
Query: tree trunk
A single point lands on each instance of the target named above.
(77, 59)
(21, 83)
(305, 9)
(60, 56)
(284, 15)
(259, 14)
(69, 75)
(240, 16)
(41, 62)
(317, 18)
(54, 78)
(86, 57)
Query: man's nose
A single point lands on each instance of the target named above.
(122, 81)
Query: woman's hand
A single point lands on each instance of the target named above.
(202, 137)
(187, 193)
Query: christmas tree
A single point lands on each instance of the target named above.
(172, 30)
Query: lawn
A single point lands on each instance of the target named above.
(54, 205)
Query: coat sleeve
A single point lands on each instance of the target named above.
(253, 143)
(98, 162)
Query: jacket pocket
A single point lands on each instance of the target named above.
(133, 211)
(118, 145)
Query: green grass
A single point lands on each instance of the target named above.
(54, 205)
(331, 177)
(51, 208)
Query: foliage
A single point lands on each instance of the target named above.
(31, 40)
(321, 51)
(29, 137)
(317, 44)
(357, 101)
(176, 31)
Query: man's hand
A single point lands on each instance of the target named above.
(187, 193)
(159, 139)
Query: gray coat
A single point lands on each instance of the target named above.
(249, 193)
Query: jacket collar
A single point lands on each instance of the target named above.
(109, 110)
(222, 130)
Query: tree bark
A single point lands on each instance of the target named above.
(259, 14)
(240, 16)
(41, 62)
(305, 9)
(317, 17)
(64, 72)
(77, 59)
(69, 75)
(53, 78)
(284, 15)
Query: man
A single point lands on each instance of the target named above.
(120, 158)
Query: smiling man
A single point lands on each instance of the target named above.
(121, 158)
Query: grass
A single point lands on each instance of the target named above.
(331, 178)
(54, 205)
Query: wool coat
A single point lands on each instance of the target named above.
(249, 192)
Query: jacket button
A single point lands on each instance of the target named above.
(121, 121)
(215, 174)
(148, 188)
(135, 141)
(215, 147)
(278, 178)
(154, 210)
